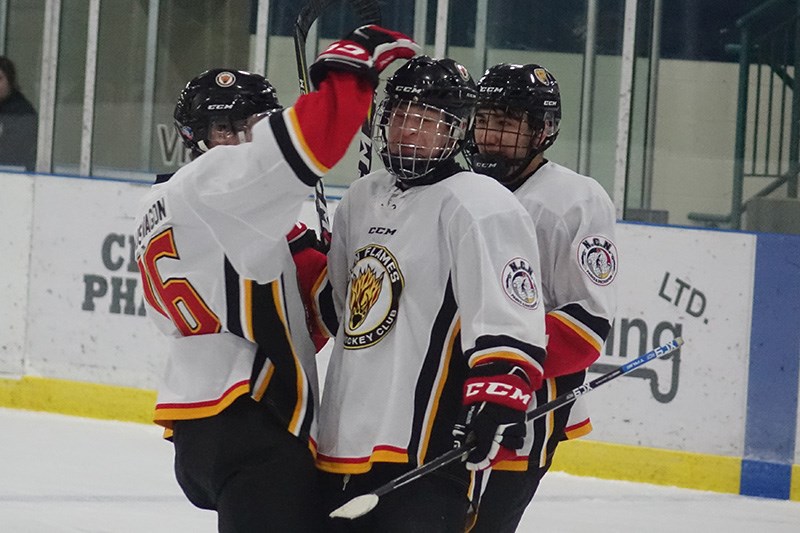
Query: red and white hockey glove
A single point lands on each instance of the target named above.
(496, 397)
(311, 266)
(366, 50)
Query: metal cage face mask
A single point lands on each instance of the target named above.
(503, 141)
(414, 138)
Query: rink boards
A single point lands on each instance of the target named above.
(721, 414)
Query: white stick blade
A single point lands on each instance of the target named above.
(358, 506)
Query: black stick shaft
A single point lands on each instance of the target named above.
(368, 12)
(464, 450)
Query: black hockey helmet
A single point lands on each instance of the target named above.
(423, 91)
(220, 93)
(519, 90)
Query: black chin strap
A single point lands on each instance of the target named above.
(442, 171)
(518, 180)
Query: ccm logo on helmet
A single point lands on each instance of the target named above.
(407, 89)
(494, 388)
(492, 89)
(220, 106)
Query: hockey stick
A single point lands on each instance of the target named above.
(361, 505)
(368, 12)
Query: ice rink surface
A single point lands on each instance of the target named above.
(67, 474)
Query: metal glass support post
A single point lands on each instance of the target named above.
(741, 125)
(587, 91)
(652, 110)
(259, 64)
(312, 43)
(481, 20)
(440, 39)
(149, 84)
(3, 23)
(47, 89)
(420, 21)
(625, 105)
(794, 135)
(89, 79)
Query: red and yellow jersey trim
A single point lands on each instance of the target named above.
(576, 431)
(361, 465)
(165, 413)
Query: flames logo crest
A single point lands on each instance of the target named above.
(373, 295)
(365, 289)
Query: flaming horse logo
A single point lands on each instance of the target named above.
(365, 289)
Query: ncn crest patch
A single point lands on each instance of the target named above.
(597, 257)
(519, 283)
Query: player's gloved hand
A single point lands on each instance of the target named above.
(366, 50)
(311, 265)
(496, 397)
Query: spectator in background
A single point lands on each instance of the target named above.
(18, 121)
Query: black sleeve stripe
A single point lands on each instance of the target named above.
(327, 310)
(289, 151)
(449, 401)
(599, 325)
(232, 299)
(287, 391)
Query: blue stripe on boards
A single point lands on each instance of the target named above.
(771, 423)
(766, 479)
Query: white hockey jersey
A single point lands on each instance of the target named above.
(575, 224)
(427, 282)
(217, 270)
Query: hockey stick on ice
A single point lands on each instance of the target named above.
(368, 12)
(361, 505)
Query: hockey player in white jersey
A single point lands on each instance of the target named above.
(239, 397)
(435, 277)
(518, 116)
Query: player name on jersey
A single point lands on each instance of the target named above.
(152, 217)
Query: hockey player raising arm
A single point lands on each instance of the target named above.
(435, 277)
(239, 396)
(519, 110)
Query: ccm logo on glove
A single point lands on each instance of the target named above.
(507, 390)
(354, 50)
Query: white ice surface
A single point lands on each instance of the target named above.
(67, 474)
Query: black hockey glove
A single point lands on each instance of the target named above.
(496, 397)
(366, 50)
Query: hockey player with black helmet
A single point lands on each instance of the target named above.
(518, 116)
(434, 272)
(239, 396)
(220, 106)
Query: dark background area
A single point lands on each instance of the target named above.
(696, 30)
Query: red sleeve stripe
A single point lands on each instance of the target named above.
(286, 132)
(579, 328)
(299, 141)
(567, 350)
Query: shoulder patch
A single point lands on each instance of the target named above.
(519, 283)
(597, 257)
